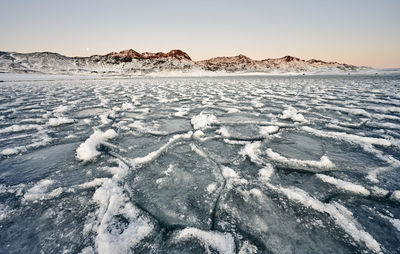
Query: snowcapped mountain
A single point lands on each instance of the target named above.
(130, 62)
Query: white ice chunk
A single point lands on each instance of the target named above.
(40, 191)
(10, 151)
(252, 150)
(395, 195)
(127, 106)
(379, 191)
(348, 137)
(229, 173)
(323, 163)
(223, 131)
(155, 154)
(211, 187)
(344, 185)
(181, 112)
(59, 121)
(221, 242)
(88, 150)
(268, 130)
(291, 113)
(18, 128)
(203, 121)
(265, 173)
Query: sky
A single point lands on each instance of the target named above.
(360, 32)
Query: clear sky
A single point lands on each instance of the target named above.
(361, 32)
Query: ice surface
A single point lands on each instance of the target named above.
(244, 164)
(339, 213)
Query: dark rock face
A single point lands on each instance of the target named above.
(313, 61)
(290, 58)
(125, 55)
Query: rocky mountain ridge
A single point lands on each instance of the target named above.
(131, 62)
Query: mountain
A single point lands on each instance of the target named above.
(131, 62)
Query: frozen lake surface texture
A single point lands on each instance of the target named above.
(293, 164)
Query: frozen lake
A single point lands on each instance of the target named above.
(201, 165)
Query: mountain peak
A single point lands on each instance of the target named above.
(179, 54)
(290, 58)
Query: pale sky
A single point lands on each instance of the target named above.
(360, 32)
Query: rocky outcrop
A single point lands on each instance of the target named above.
(130, 54)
